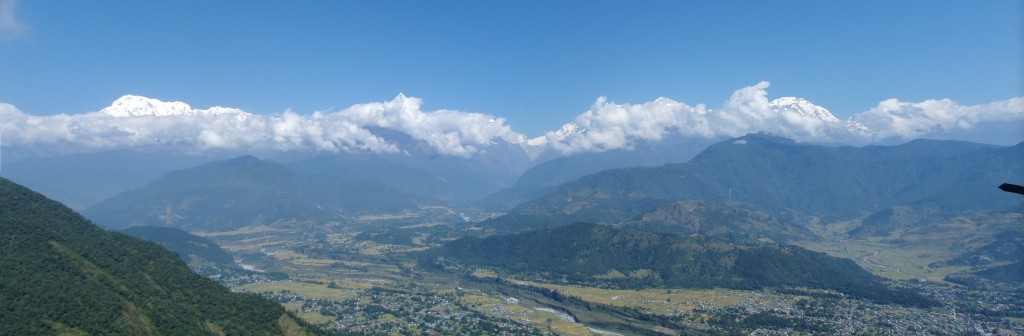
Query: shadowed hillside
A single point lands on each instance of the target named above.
(63, 275)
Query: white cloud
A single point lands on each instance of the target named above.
(133, 122)
(607, 126)
(10, 28)
(138, 122)
(936, 118)
(449, 132)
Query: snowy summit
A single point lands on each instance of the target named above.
(137, 106)
(801, 106)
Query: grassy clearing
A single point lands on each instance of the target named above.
(894, 262)
(543, 320)
(349, 284)
(367, 218)
(311, 317)
(558, 325)
(304, 289)
(315, 262)
(421, 225)
(484, 273)
(661, 301)
(287, 255)
(301, 259)
(315, 317)
(240, 231)
(249, 246)
(906, 254)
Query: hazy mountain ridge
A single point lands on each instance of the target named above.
(442, 179)
(229, 194)
(83, 180)
(547, 176)
(777, 175)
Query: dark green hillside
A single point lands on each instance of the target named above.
(187, 245)
(958, 184)
(730, 223)
(63, 275)
(225, 195)
(727, 222)
(589, 253)
(779, 176)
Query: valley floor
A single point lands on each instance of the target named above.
(362, 287)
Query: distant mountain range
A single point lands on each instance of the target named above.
(452, 156)
(82, 180)
(243, 191)
(785, 178)
(421, 171)
(62, 275)
(547, 176)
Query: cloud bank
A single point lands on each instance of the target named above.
(134, 121)
(139, 122)
(607, 125)
(906, 120)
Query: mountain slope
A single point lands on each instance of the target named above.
(63, 275)
(730, 223)
(420, 170)
(779, 176)
(545, 177)
(229, 194)
(190, 247)
(593, 253)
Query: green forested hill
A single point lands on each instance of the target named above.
(585, 252)
(60, 274)
(730, 223)
(778, 175)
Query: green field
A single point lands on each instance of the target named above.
(669, 301)
(314, 290)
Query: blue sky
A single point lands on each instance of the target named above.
(538, 63)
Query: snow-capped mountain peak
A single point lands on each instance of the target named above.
(801, 106)
(567, 130)
(135, 106)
